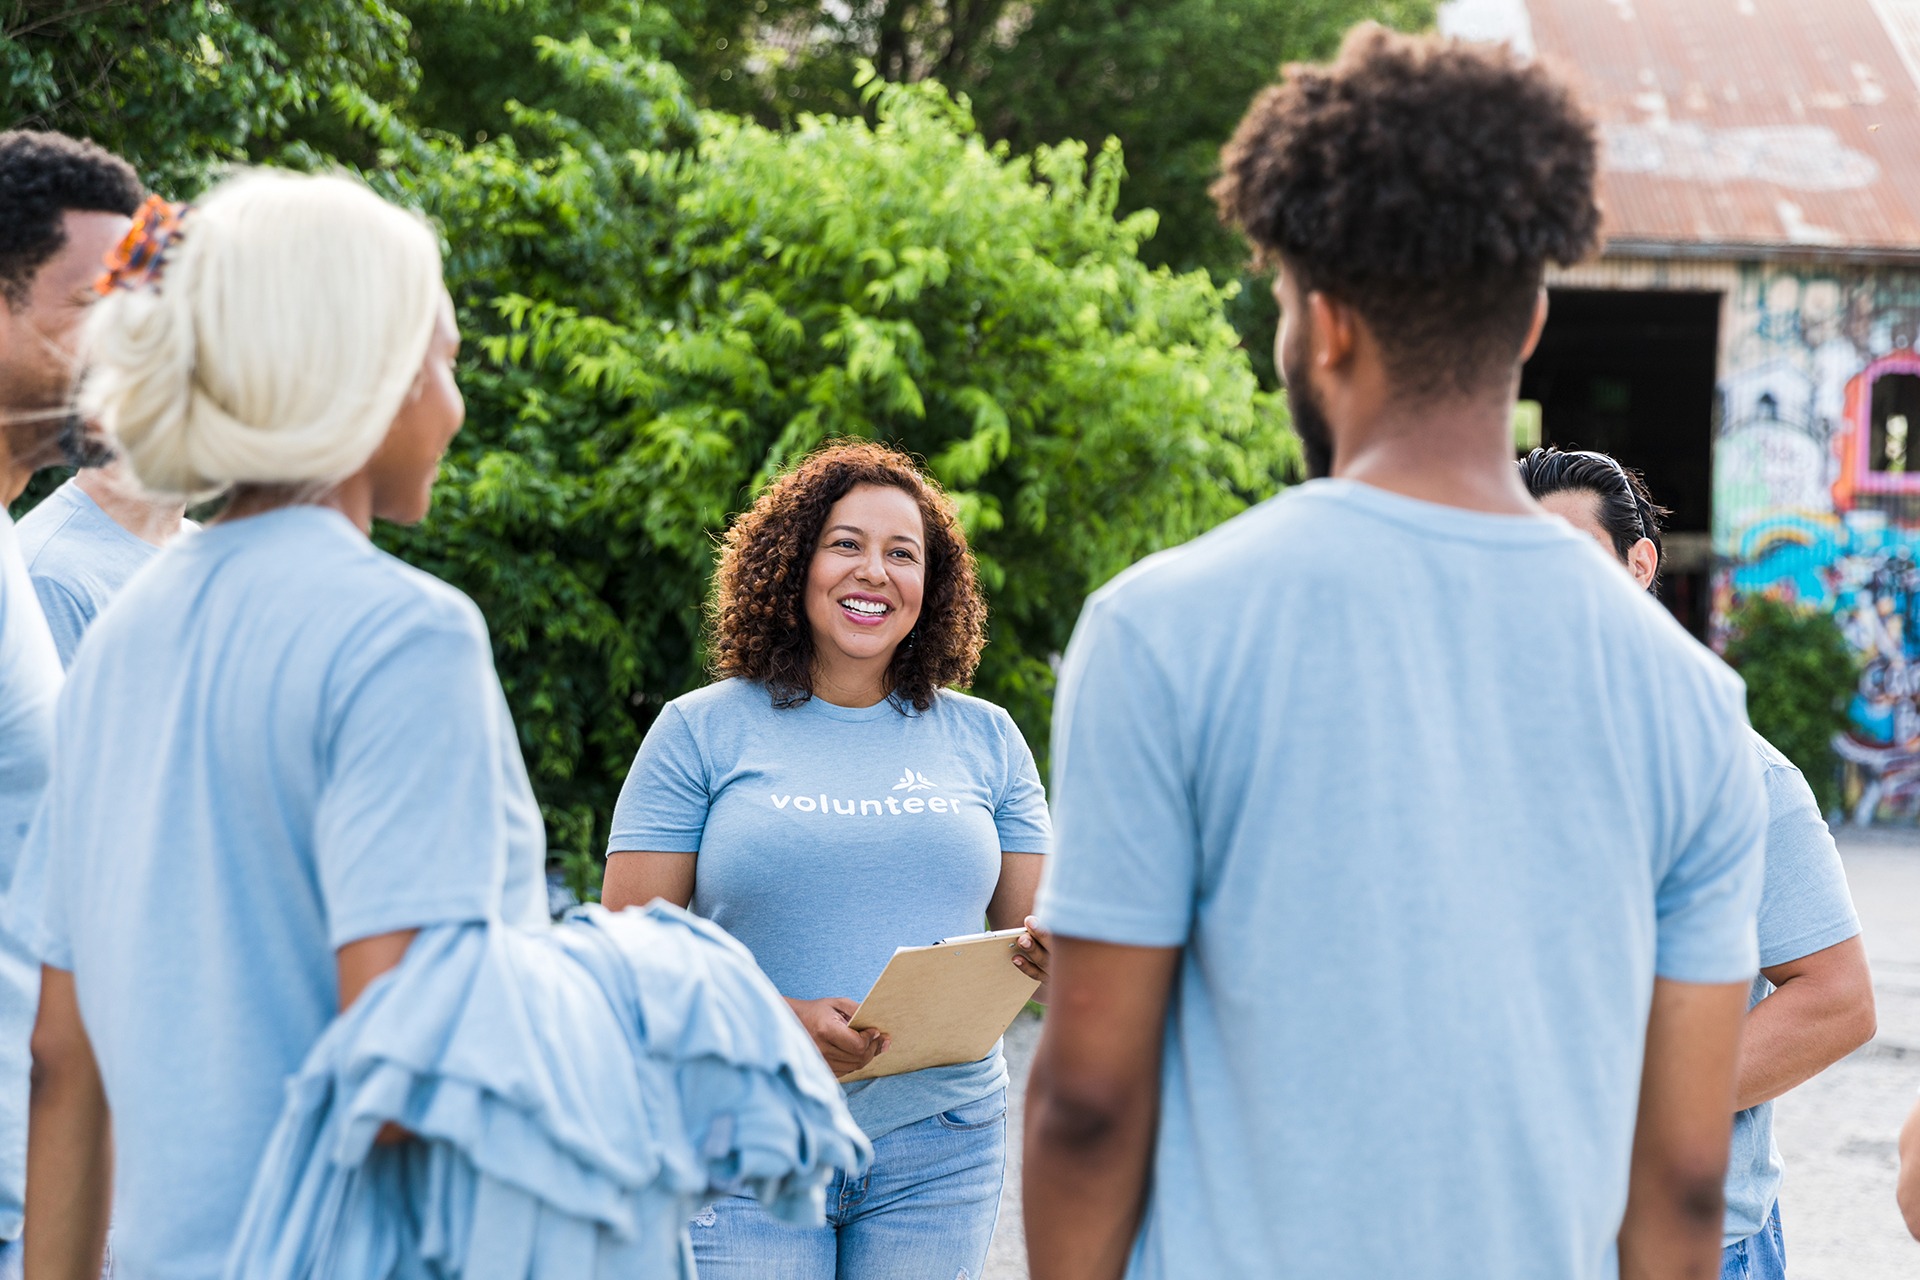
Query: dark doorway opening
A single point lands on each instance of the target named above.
(1632, 373)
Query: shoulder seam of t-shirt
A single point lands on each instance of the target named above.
(67, 519)
(51, 583)
(1009, 769)
(84, 502)
(699, 746)
(1139, 639)
(334, 698)
(1013, 744)
(1110, 614)
(1719, 784)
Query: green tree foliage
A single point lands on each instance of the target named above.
(476, 57)
(664, 304)
(1168, 78)
(662, 317)
(184, 87)
(1800, 673)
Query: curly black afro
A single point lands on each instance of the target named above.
(43, 175)
(1425, 182)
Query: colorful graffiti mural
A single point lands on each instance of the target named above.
(1812, 506)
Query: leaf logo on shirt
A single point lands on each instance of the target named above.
(911, 781)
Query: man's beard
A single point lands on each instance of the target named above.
(33, 434)
(1310, 424)
(35, 403)
(82, 446)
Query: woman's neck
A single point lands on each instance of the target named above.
(352, 498)
(847, 684)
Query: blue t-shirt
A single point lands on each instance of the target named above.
(78, 557)
(279, 740)
(29, 683)
(1427, 797)
(827, 836)
(1804, 908)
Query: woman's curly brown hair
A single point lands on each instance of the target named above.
(758, 621)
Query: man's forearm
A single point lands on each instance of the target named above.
(1673, 1231)
(69, 1175)
(1675, 1193)
(1907, 1190)
(1794, 1034)
(1085, 1176)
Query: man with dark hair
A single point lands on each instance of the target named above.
(69, 202)
(64, 204)
(86, 539)
(1406, 855)
(1812, 1004)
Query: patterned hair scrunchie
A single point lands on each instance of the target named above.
(136, 263)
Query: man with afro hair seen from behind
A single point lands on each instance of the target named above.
(1407, 855)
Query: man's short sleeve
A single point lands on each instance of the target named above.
(664, 801)
(411, 826)
(1126, 847)
(67, 618)
(1707, 902)
(36, 900)
(1021, 815)
(1805, 906)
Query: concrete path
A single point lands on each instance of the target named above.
(1007, 1260)
(1837, 1132)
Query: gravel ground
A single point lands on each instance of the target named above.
(1007, 1260)
(1837, 1132)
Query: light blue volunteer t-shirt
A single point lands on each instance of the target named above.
(1804, 908)
(279, 740)
(827, 836)
(1428, 797)
(29, 683)
(78, 557)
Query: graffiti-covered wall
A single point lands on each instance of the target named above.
(1811, 504)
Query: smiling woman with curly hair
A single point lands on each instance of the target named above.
(831, 798)
(760, 598)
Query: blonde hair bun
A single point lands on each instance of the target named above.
(289, 326)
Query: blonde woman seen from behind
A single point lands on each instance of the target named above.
(281, 752)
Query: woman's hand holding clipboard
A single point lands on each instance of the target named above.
(947, 1003)
(845, 1049)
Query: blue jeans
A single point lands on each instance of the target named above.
(1761, 1256)
(924, 1211)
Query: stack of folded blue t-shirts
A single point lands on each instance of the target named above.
(575, 1094)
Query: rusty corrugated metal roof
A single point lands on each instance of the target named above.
(1765, 124)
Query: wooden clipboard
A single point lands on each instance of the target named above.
(945, 1003)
